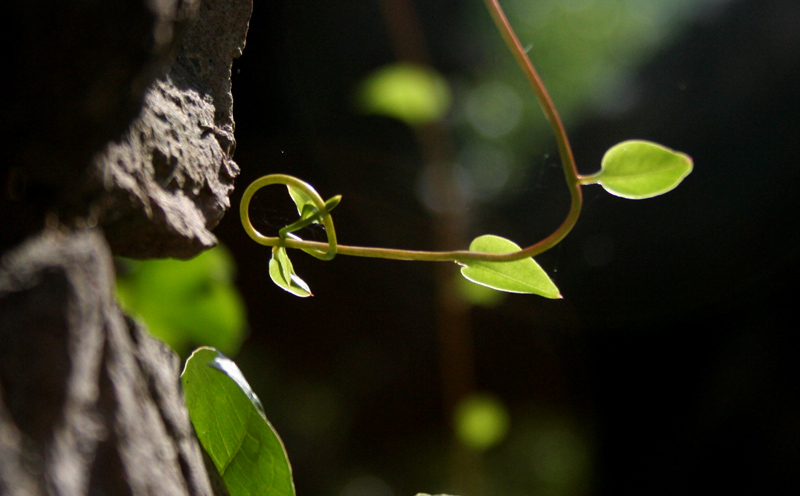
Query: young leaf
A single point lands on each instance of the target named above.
(282, 273)
(305, 206)
(231, 425)
(641, 169)
(521, 276)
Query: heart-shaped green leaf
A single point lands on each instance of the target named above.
(232, 428)
(282, 273)
(520, 276)
(641, 169)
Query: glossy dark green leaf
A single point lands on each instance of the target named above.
(282, 273)
(232, 428)
(641, 169)
(521, 276)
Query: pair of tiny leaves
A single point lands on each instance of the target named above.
(281, 270)
(634, 169)
(282, 273)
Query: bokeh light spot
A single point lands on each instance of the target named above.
(481, 421)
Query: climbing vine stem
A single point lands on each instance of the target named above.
(631, 169)
(327, 251)
(546, 103)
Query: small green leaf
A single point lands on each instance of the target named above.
(305, 205)
(231, 425)
(282, 273)
(309, 213)
(641, 169)
(521, 276)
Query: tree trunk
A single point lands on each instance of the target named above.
(120, 116)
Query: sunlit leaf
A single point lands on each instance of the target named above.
(521, 276)
(186, 303)
(641, 169)
(411, 93)
(282, 273)
(309, 213)
(305, 206)
(232, 427)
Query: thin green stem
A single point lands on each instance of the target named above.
(323, 251)
(327, 251)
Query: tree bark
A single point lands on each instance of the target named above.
(121, 120)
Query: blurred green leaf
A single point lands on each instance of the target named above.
(186, 303)
(411, 93)
(641, 169)
(481, 421)
(282, 273)
(231, 425)
(521, 276)
(478, 294)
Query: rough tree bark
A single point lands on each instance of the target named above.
(120, 116)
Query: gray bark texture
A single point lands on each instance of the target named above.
(120, 116)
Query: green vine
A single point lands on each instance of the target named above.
(632, 169)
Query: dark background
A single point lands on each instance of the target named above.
(672, 357)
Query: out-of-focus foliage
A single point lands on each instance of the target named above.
(478, 294)
(547, 452)
(186, 303)
(411, 93)
(481, 421)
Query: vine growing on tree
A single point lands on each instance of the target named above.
(236, 434)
